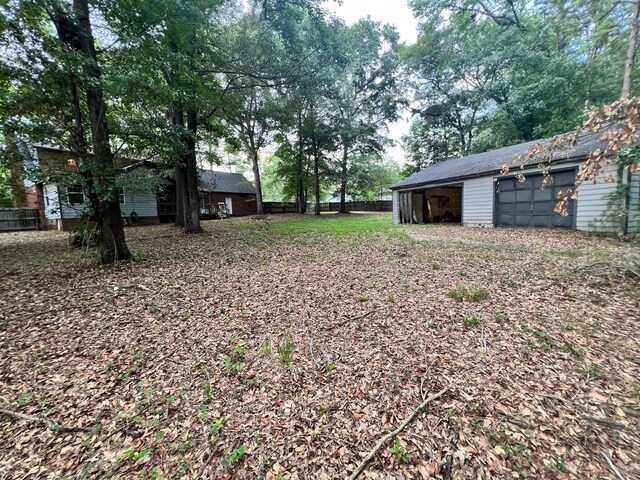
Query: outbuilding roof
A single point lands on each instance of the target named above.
(491, 162)
(223, 182)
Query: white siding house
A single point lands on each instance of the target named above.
(64, 208)
(490, 198)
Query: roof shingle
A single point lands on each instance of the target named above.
(491, 162)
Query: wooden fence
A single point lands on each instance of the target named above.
(290, 207)
(12, 219)
(374, 206)
(279, 207)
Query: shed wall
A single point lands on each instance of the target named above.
(593, 203)
(634, 204)
(395, 208)
(477, 201)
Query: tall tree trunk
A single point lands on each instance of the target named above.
(181, 196)
(67, 34)
(343, 180)
(181, 177)
(256, 176)
(316, 176)
(302, 204)
(113, 246)
(632, 48)
(192, 215)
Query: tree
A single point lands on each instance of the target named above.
(632, 49)
(67, 64)
(497, 82)
(371, 177)
(367, 93)
(502, 12)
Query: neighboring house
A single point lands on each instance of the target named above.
(62, 207)
(236, 192)
(472, 191)
(233, 189)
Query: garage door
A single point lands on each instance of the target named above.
(526, 205)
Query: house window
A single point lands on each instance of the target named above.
(75, 195)
(122, 197)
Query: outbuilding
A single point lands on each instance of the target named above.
(472, 191)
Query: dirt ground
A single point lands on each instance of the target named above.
(284, 349)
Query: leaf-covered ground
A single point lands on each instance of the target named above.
(286, 348)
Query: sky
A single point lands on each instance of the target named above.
(398, 13)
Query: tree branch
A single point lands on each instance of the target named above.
(356, 473)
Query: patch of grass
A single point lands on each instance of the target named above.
(363, 298)
(285, 350)
(594, 372)
(573, 350)
(436, 266)
(266, 348)
(462, 274)
(570, 252)
(470, 322)
(544, 340)
(391, 299)
(354, 223)
(462, 293)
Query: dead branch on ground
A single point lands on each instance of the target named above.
(356, 473)
(53, 426)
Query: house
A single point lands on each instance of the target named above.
(61, 207)
(472, 191)
(233, 189)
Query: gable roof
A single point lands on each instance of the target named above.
(491, 162)
(223, 182)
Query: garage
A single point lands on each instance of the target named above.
(481, 190)
(526, 204)
(435, 205)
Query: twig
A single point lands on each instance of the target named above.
(395, 432)
(351, 319)
(514, 420)
(53, 426)
(613, 468)
(606, 422)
